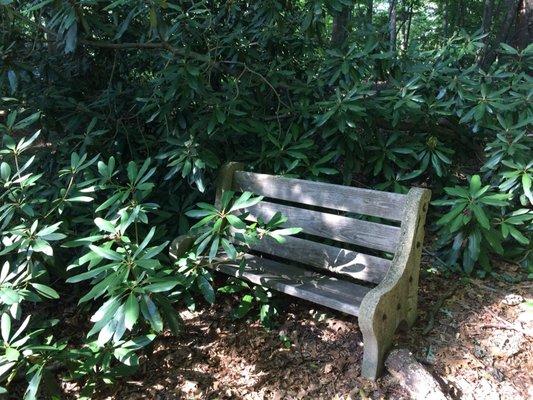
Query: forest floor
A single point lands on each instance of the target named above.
(475, 337)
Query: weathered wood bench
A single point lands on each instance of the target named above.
(380, 290)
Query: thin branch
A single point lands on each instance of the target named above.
(119, 46)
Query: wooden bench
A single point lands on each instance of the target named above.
(379, 285)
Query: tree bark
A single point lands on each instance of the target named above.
(446, 17)
(487, 17)
(458, 16)
(503, 35)
(392, 24)
(339, 31)
(408, 29)
(369, 10)
(524, 24)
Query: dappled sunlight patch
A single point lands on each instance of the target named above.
(479, 345)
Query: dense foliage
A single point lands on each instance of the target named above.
(115, 116)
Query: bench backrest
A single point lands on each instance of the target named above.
(356, 247)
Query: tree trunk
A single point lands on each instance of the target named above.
(369, 10)
(487, 17)
(392, 25)
(503, 35)
(458, 13)
(524, 24)
(339, 31)
(408, 29)
(446, 17)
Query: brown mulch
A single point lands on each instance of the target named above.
(477, 343)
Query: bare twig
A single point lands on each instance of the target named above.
(507, 326)
(438, 305)
(510, 325)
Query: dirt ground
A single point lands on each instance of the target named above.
(476, 337)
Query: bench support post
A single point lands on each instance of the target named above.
(393, 303)
(225, 178)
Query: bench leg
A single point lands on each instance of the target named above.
(378, 332)
(392, 304)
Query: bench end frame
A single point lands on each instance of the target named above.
(393, 303)
(225, 179)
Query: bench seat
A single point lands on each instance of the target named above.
(329, 291)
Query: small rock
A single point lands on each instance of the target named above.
(512, 299)
(480, 352)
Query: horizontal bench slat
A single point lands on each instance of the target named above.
(330, 292)
(341, 261)
(331, 226)
(337, 197)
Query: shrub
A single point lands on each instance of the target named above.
(139, 103)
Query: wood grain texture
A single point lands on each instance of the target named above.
(341, 261)
(330, 226)
(330, 292)
(337, 197)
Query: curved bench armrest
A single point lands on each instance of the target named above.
(393, 302)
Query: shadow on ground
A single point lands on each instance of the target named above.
(472, 336)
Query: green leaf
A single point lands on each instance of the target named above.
(475, 184)
(42, 246)
(150, 312)
(145, 242)
(455, 211)
(214, 248)
(499, 199)
(204, 221)
(244, 306)
(6, 326)
(518, 236)
(287, 231)
(45, 291)
(457, 191)
(131, 311)
(481, 217)
(12, 354)
(5, 171)
(106, 253)
(526, 186)
(80, 199)
(110, 201)
(26, 122)
(106, 310)
(89, 274)
(5, 367)
(170, 315)
(151, 252)
(9, 296)
(33, 386)
(104, 225)
(235, 221)
(206, 289)
(245, 201)
(199, 213)
(163, 286)
(229, 249)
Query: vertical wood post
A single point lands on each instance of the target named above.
(225, 179)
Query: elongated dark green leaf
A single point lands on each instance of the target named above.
(106, 253)
(45, 291)
(206, 289)
(131, 311)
